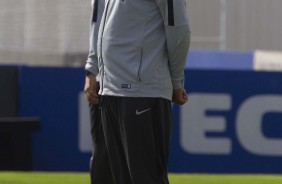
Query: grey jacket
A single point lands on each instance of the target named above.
(141, 47)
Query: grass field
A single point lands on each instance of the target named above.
(83, 178)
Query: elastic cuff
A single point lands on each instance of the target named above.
(177, 84)
(92, 69)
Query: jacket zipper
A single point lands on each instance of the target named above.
(101, 46)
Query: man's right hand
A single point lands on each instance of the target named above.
(179, 96)
(90, 89)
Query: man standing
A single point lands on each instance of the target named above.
(100, 170)
(140, 56)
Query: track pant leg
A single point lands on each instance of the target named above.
(100, 171)
(137, 133)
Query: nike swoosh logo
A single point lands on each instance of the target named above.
(141, 112)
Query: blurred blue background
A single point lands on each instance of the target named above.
(232, 124)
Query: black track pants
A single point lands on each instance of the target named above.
(99, 165)
(137, 133)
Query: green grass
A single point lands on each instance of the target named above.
(83, 178)
(43, 178)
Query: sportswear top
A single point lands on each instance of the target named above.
(139, 47)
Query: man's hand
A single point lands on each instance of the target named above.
(180, 96)
(90, 89)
